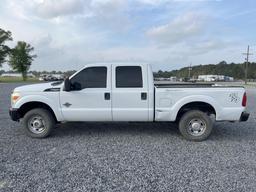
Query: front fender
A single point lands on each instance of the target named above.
(43, 99)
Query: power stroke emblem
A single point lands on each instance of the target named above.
(67, 104)
(234, 98)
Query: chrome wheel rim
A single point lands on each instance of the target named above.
(196, 127)
(36, 124)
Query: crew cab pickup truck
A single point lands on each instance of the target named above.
(125, 92)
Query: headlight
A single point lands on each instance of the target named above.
(15, 97)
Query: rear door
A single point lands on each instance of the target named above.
(129, 93)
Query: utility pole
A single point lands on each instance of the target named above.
(246, 63)
(189, 70)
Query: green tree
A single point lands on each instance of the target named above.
(4, 49)
(223, 63)
(21, 58)
(223, 68)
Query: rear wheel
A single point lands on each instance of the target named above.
(38, 123)
(195, 125)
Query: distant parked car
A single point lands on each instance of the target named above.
(51, 77)
(41, 79)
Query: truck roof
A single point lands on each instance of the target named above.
(119, 63)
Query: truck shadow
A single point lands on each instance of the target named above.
(119, 128)
(238, 132)
(221, 131)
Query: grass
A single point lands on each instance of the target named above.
(17, 80)
(250, 85)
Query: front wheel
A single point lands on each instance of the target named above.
(195, 125)
(38, 123)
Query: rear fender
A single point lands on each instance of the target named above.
(195, 98)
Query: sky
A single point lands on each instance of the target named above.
(68, 34)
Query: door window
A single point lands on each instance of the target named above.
(128, 76)
(91, 77)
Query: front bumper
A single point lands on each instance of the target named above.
(244, 116)
(14, 114)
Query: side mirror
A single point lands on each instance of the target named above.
(77, 86)
(67, 85)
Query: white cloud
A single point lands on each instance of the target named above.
(43, 40)
(18, 9)
(114, 30)
(178, 30)
(153, 2)
(56, 8)
(108, 5)
(110, 14)
(208, 46)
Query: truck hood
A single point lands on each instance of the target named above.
(40, 87)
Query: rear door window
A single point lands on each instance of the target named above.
(129, 77)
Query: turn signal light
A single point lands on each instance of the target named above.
(15, 97)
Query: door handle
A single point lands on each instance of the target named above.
(107, 96)
(143, 96)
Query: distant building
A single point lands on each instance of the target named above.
(16, 75)
(161, 79)
(173, 78)
(210, 78)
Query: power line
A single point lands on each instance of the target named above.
(246, 63)
(189, 70)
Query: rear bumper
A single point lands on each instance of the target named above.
(14, 114)
(244, 116)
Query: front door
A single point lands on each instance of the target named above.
(89, 98)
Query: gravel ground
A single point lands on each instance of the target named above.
(127, 156)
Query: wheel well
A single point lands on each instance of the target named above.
(202, 106)
(32, 105)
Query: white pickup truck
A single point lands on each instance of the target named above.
(126, 92)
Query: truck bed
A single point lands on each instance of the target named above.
(191, 85)
(181, 85)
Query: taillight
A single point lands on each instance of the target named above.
(244, 101)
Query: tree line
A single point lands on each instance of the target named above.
(236, 70)
(19, 58)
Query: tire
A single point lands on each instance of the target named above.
(195, 125)
(38, 123)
